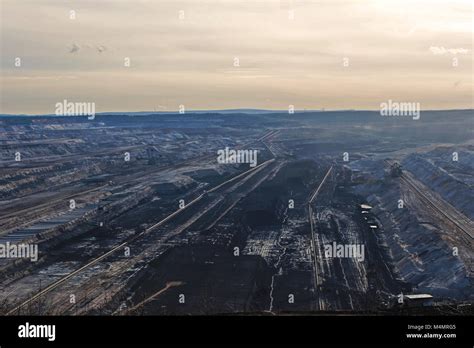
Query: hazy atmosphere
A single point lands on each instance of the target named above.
(181, 162)
(156, 55)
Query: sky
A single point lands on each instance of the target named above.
(227, 54)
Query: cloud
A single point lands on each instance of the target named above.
(74, 48)
(442, 51)
(12, 78)
(101, 48)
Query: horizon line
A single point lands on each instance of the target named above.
(217, 111)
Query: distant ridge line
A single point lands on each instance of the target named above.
(220, 112)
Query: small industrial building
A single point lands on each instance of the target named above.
(418, 300)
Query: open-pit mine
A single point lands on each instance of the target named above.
(148, 214)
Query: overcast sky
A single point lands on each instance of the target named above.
(185, 52)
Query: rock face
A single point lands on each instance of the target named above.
(449, 178)
(414, 240)
(419, 254)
